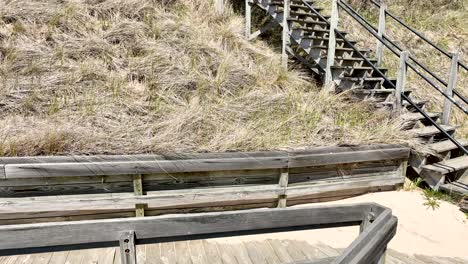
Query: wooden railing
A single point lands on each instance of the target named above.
(44, 189)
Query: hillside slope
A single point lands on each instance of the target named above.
(138, 76)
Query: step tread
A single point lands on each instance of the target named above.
(356, 67)
(446, 145)
(418, 116)
(430, 130)
(448, 166)
(381, 90)
(364, 78)
(308, 21)
(455, 187)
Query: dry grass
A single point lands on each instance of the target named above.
(445, 22)
(136, 76)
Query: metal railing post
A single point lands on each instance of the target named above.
(452, 83)
(381, 32)
(285, 36)
(331, 43)
(248, 19)
(401, 82)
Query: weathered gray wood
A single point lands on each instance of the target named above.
(285, 34)
(136, 167)
(401, 82)
(283, 183)
(67, 233)
(304, 159)
(15, 208)
(248, 19)
(366, 248)
(138, 190)
(127, 247)
(262, 30)
(220, 6)
(452, 83)
(381, 31)
(331, 43)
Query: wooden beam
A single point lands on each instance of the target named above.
(331, 45)
(401, 82)
(248, 19)
(285, 35)
(127, 248)
(41, 170)
(452, 83)
(283, 183)
(96, 231)
(381, 32)
(262, 30)
(138, 190)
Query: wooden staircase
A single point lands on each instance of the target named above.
(446, 167)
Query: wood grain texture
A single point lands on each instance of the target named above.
(79, 232)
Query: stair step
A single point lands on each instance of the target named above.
(446, 145)
(354, 59)
(419, 116)
(326, 39)
(376, 91)
(431, 130)
(455, 187)
(366, 79)
(323, 23)
(306, 14)
(357, 68)
(448, 166)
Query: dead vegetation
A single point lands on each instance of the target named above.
(136, 76)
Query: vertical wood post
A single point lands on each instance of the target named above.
(331, 44)
(452, 83)
(381, 32)
(138, 190)
(285, 35)
(219, 6)
(283, 182)
(401, 82)
(127, 248)
(248, 19)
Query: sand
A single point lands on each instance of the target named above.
(442, 232)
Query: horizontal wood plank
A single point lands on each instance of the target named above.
(93, 231)
(33, 170)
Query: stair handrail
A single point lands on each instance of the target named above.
(419, 64)
(382, 39)
(417, 33)
(403, 95)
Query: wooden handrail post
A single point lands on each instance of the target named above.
(283, 183)
(452, 83)
(285, 36)
(401, 82)
(381, 32)
(220, 6)
(248, 19)
(331, 44)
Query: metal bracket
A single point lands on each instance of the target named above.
(127, 247)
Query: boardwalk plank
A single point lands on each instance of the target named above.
(268, 252)
(227, 254)
(153, 253)
(197, 252)
(168, 253)
(60, 257)
(295, 253)
(182, 252)
(254, 253)
(281, 252)
(74, 257)
(242, 254)
(311, 252)
(212, 253)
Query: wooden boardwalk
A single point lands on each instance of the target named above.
(268, 251)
